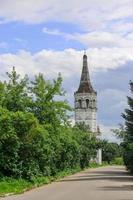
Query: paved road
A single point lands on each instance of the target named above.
(106, 183)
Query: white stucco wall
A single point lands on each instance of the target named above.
(84, 113)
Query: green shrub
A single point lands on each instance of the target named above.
(118, 161)
(22, 145)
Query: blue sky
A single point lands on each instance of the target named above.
(50, 37)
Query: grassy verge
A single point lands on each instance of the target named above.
(13, 186)
(9, 186)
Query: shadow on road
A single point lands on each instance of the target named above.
(106, 173)
(116, 188)
(116, 175)
(91, 178)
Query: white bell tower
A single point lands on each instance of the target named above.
(86, 103)
(86, 100)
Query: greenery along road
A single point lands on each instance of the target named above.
(106, 183)
(36, 138)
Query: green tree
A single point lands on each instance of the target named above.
(45, 106)
(15, 95)
(128, 139)
(24, 145)
(110, 151)
(2, 93)
(83, 127)
(9, 145)
(120, 132)
(87, 144)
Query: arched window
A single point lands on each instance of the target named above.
(87, 103)
(80, 103)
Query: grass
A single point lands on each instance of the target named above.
(13, 186)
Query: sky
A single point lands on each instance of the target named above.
(50, 37)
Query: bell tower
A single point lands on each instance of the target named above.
(86, 100)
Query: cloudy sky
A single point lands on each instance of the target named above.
(50, 36)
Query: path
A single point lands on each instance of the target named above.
(106, 183)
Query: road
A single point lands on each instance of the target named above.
(105, 183)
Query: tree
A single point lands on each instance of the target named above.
(128, 116)
(2, 93)
(128, 139)
(45, 106)
(15, 92)
(120, 132)
(24, 145)
(110, 151)
(82, 126)
(87, 143)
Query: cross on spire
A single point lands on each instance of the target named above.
(84, 51)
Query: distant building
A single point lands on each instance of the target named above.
(86, 100)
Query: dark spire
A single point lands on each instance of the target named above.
(85, 83)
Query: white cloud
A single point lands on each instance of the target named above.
(109, 58)
(68, 62)
(123, 9)
(111, 104)
(97, 38)
(53, 32)
(117, 95)
(107, 134)
(105, 23)
(90, 14)
(121, 27)
(114, 99)
(103, 39)
(48, 62)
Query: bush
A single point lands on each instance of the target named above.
(22, 145)
(128, 156)
(110, 151)
(118, 161)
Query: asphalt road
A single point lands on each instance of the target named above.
(106, 183)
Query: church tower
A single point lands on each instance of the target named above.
(86, 100)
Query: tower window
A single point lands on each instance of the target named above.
(80, 103)
(87, 103)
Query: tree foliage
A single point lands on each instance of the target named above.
(120, 132)
(36, 138)
(110, 151)
(44, 106)
(128, 138)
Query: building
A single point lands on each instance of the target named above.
(86, 100)
(86, 103)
